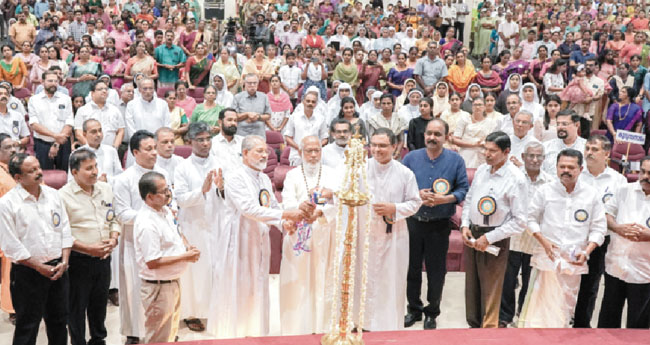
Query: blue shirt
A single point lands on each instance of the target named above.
(449, 166)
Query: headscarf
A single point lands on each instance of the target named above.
(534, 107)
(535, 95)
(410, 111)
(469, 89)
(440, 104)
(224, 97)
(507, 86)
(334, 104)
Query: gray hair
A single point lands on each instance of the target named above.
(525, 112)
(79, 156)
(250, 141)
(196, 128)
(84, 126)
(162, 130)
(251, 75)
(534, 144)
(306, 139)
(125, 85)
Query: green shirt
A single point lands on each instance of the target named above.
(169, 56)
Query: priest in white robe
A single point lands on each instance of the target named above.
(127, 204)
(395, 196)
(251, 208)
(308, 254)
(194, 178)
(165, 146)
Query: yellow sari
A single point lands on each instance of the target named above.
(460, 78)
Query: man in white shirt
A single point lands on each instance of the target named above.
(308, 254)
(627, 276)
(304, 122)
(147, 112)
(126, 95)
(51, 119)
(567, 218)
(448, 14)
(194, 178)
(508, 31)
(522, 124)
(12, 122)
(226, 146)
(291, 77)
(461, 13)
(522, 245)
(546, 42)
(513, 104)
(108, 163)
(162, 254)
(606, 181)
(568, 124)
(127, 204)
(107, 114)
(334, 152)
(495, 209)
(251, 209)
(165, 146)
(36, 237)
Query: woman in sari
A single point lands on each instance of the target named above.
(83, 73)
(490, 112)
(470, 134)
(29, 58)
(617, 44)
(182, 99)
(313, 40)
(440, 99)
(371, 74)
(199, 67)
(179, 122)
(208, 111)
(486, 24)
(516, 65)
(281, 106)
(13, 69)
(503, 61)
(55, 58)
(114, 67)
(487, 78)
(224, 97)
(141, 63)
(346, 71)
(624, 115)
(413, 57)
(35, 76)
(398, 75)
(227, 68)
(386, 63)
(452, 115)
(535, 68)
(260, 66)
(449, 42)
(461, 74)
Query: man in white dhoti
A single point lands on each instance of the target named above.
(567, 217)
(127, 204)
(627, 276)
(251, 208)
(308, 253)
(165, 146)
(194, 178)
(395, 197)
(334, 152)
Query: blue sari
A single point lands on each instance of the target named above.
(398, 78)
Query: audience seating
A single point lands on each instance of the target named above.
(276, 141)
(619, 150)
(284, 158)
(272, 162)
(161, 91)
(278, 179)
(55, 178)
(197, 94)
(183, 150)
(599, 131)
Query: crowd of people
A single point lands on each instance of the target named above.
(509, 108)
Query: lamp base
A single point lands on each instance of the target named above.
(338, 339)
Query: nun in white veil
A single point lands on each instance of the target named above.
(412, 109)
(334, 104)
(513, 86)
(473, 91)
(224, 97)
(371, 107)
(440, 99)
(530, 101)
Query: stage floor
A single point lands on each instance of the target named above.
(510, 336)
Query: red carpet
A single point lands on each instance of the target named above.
(511, 336)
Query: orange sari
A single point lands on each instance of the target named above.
(460, 78)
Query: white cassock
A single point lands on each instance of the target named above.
(169, 165)
(570, 221)
(333, 155)
(307, 258)
(243, 283)
(127, 204)
(195, 224)
(388, 252)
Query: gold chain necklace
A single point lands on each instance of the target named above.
(320, 169)
(626, 112)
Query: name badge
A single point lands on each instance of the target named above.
(441, 186)
(265, 198)
(14, 128)
(61, 106)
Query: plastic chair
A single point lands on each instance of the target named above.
(55, 178)
(272, 162)
(197, 94)
(619, 150)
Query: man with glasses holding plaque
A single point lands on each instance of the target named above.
(442, 180)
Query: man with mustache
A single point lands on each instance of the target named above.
(308, 254)
(89, 205)
(495, 209)
(165, 147)
(568, 124)
(334, 152)
(251, 210)
(36, 237)
(522, 123)
(567, 218)
(442, 181)
(50, 116)
(627, 275)
(606, 181)
(226, 146)
(305, 121)
(513, 104)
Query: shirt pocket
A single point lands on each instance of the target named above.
(61, 112)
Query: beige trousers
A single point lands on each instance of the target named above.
(162, 311)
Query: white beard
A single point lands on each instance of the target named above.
(310, 169)
(259, 165)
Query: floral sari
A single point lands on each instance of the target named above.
(199, 71)
(77, 70)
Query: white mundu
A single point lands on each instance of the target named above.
(127, 204)
(195, 223)
(568, 220)
(244, 282)
(307, 256)
(388, 252)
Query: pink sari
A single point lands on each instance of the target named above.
(116, 67)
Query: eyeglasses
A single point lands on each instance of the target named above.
(165, 191)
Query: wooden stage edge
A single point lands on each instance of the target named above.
(504, 336)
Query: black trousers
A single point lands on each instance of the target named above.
(428, 242)
(90, 278)
(460, 30)
(589, 287)
(36, 297)
(516, 261)
(60, 162)
(638, 304)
